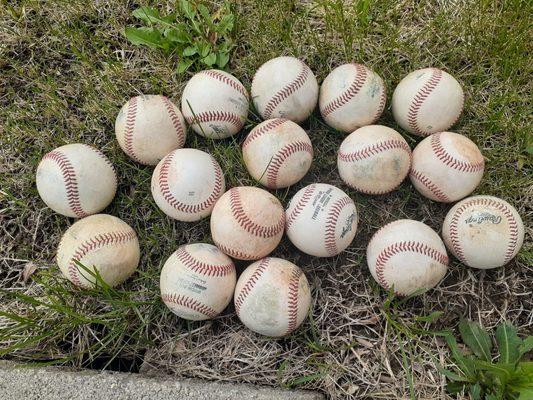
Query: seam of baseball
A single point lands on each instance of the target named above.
(71, 183)
(104, 157)
(259, 131)
(281, 156)
(432, 187)
(233, 83)
(449, 160)
(201, 267)
(215, 116)
(176, 122)
(190, 303)
(352, 90)
(331, 224)
(382, 101)
(97, 242)
(244, 221)
(180, 206)
(234, 253)
(419, 98)
(292, 301)
(129, 127)
(250, 283)
(300, 204)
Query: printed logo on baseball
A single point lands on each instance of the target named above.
(272, 297)
(247, 223)
(408, 255)
(483, 232)
(426, 101)
(76, 180)
(197, 281)
(187, 183)
(374, 159)
(352, 96)
(101, 243)
(215, 104)
(277, 153)
(321, 220)
(446, 167)
(285, 87)
(149, 127)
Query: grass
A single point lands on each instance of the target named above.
(66, 69)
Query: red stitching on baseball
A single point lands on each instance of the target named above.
(433, 188)
(348, 94)
(246, 223)
(286, 91)
(99, 241)
(281, 156)
(292, 301)
(201, 267)
(420, 97)
(215, 116)
(176, 121)
(449, 160)
(180, 206)
(234, 83)
(249, 285)
(71, 183)
(331, 224)
(107, 161)
(382, 101)
(299, 206)
(388, 252)
(374, 149)
(186, 301)
(260, 130)
(234, 253)
(129, 128)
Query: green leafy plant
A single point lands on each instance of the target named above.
(193, 33)
(505, 376)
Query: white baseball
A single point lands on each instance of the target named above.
(352, 96)
(247, 223)
(321, 220)
(285, 87)
(374, 159)
(426, 101)
(148, 127)
(187, 183)
(272, 297)
(446, 167)
(408, 255)
(76, 180)
(104, 245)
(197, 281)
(483, 232)
(277, 153)
(215, 104)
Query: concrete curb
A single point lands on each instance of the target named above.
(52, 383)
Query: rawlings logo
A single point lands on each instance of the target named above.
(348, 226)
(482, 217)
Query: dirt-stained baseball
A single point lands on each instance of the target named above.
(352, 96)
(215, 104)
(197, 281)
(76, 180)
(187, 183)
(104, 245)
(321, 220)
(408, 255)
(272, 297)
(277, 153)
(374, 159)
(483, 232)
(426, 101)
(148, 127)
(285, 87)
(247, 223)
(446, 167)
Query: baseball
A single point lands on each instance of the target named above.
(76, 180)
(483, 232)
(407, 255)
(352, 96)
(187, 183)
(197, 281)
(272, 297)
(277, 153)
(426, 101)
(104, 245)
(321, 220)
(446, 167)
(285, 87)
(247, 223)
(374, 159)
(149, 127)
(215, 104)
